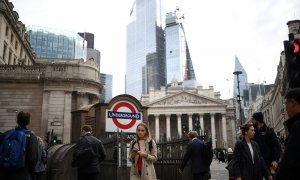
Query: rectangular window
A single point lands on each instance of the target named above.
(9, 57)
(16, 45)
(11, 38)
(4, 52)
(6, 30)
(15, 59)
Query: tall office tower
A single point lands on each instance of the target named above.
(106, 80)
(53, 43)
(244, 89)
(89, 37)
(145, 61)
(178, 60)
(242, 78)
(91, 52)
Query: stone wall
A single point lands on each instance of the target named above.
(50, 92)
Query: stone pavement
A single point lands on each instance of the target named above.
(218, 171)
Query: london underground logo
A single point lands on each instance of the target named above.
(131, 115)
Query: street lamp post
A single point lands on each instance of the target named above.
(197, 126)
(237, 73)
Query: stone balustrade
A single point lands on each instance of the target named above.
(49, 72)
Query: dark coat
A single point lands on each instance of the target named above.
(94, 165)
(244, 166)
(195, 153)
(290, 164)
(268, 144)
(31, 158)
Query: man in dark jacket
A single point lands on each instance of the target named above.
(194, 154)
(31, 153)
(290, 164)
(88, 154)
(267, 141)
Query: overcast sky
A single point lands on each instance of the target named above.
(216, 30)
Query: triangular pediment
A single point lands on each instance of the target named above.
(185, 98)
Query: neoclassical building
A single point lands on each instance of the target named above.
(50, 89)
(173, 111)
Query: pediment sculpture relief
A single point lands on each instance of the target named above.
(184, 99)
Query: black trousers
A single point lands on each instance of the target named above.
(88, 176)
(198, 176)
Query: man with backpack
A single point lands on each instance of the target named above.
(18, 151)
(267, 141)
(88, 153)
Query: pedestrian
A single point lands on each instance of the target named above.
(229, 158)
(267, 141)
(248, 163)
(195, 155)
(88, 153)
(15, 163)
(229, 154)
(290, 163)
(40, 167)
(142, 154)
(221, 156)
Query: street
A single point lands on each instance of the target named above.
(218, 171)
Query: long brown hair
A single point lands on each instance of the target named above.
(148, 134)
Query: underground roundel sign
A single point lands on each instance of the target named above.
(123, 115)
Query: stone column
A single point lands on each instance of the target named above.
(190, 122)
(179, 125)
(213, 130)
(156, 126)
(168, 126)
(201, 123)
(224, 130)
(67, 117)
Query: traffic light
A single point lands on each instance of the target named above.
(292, 54)
(47, 137)
(54, 139)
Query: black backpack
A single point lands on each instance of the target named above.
(84, 153)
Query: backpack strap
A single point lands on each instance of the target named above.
(133, 143)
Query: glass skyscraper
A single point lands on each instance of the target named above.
(242, 78)
(145, 61)
(52, 43)
(106, 80)
(178, 60)
(244, 90)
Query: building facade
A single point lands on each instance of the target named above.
(14, 42)
(172, 113)
(49, 89)
(178, 60)
(107, 81)
(144, 36)
(56, 44)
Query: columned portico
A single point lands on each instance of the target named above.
(179, 112)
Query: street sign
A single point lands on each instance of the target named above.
(123, 115)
